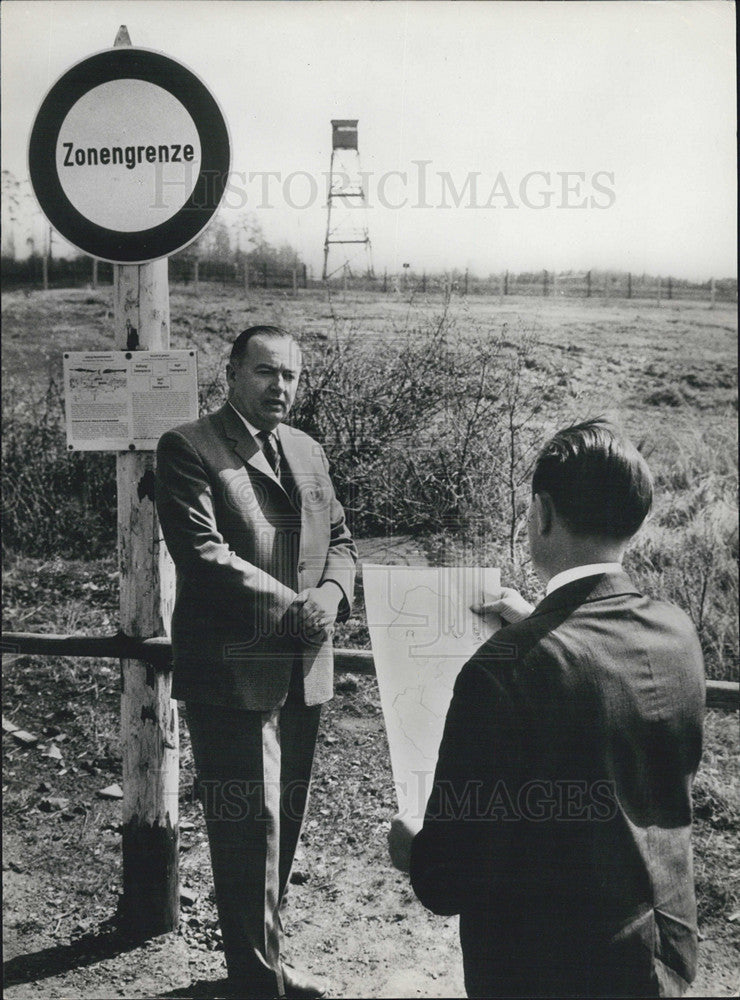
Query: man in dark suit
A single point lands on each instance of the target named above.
(559, 822)
(265, 566)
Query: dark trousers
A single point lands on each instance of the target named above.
(254, 770)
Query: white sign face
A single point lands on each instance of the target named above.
(126, 400)
(422, 632)
(128, 155)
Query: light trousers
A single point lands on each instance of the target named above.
(254, 770)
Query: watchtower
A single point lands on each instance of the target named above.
(346, 220)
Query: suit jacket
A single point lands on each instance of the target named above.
(560, 817)
(243, 546)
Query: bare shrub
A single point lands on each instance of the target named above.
(688, 552)
(54, 502)
(430, 428)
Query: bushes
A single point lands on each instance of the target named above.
(431, 429)
(54, 502)
(688, 551)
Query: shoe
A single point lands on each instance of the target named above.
(299, 987)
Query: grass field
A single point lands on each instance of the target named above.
(412, 401)
(668, 374)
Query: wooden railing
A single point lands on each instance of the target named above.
(158, 652)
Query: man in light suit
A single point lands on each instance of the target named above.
(265, 566)
(559, 822)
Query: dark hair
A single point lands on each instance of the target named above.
(239, 347)
(598, 481)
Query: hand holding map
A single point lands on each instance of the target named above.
(507, 604)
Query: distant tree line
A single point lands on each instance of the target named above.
(267, 266)
(239, 254)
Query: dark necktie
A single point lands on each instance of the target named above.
(268, 450)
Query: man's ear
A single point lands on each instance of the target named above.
(544, 512)
(230, 372)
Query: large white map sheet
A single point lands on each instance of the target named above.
(422, 632)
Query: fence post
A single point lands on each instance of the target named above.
(295, 281)
(506, 283)
(305, 275)
(670, 287)
(712, 294)
(45, 262)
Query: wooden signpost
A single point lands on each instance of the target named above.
(149, 724)
(129, 158)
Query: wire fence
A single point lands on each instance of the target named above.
(82, 272)
(568, 285)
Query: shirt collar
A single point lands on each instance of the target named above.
(254, 431)
(578, 572)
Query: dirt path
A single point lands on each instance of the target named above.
(351, 919)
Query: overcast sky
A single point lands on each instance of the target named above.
(500, 99)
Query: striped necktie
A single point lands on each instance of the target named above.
(270, 452)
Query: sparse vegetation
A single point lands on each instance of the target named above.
(431, 413)
(68, 857)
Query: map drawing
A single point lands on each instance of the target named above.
(422, 631)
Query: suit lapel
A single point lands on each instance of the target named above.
(294, 453)
(308, 486)
(244, 444)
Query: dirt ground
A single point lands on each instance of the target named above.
(351, 918)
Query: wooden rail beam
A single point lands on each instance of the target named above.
(158, 652)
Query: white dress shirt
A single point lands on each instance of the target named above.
(577, 572)
(254, 431)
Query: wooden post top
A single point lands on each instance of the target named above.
(122, 38)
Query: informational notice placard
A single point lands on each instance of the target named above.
(422, 632)
(126, 400)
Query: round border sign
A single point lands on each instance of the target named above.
(170, 87)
